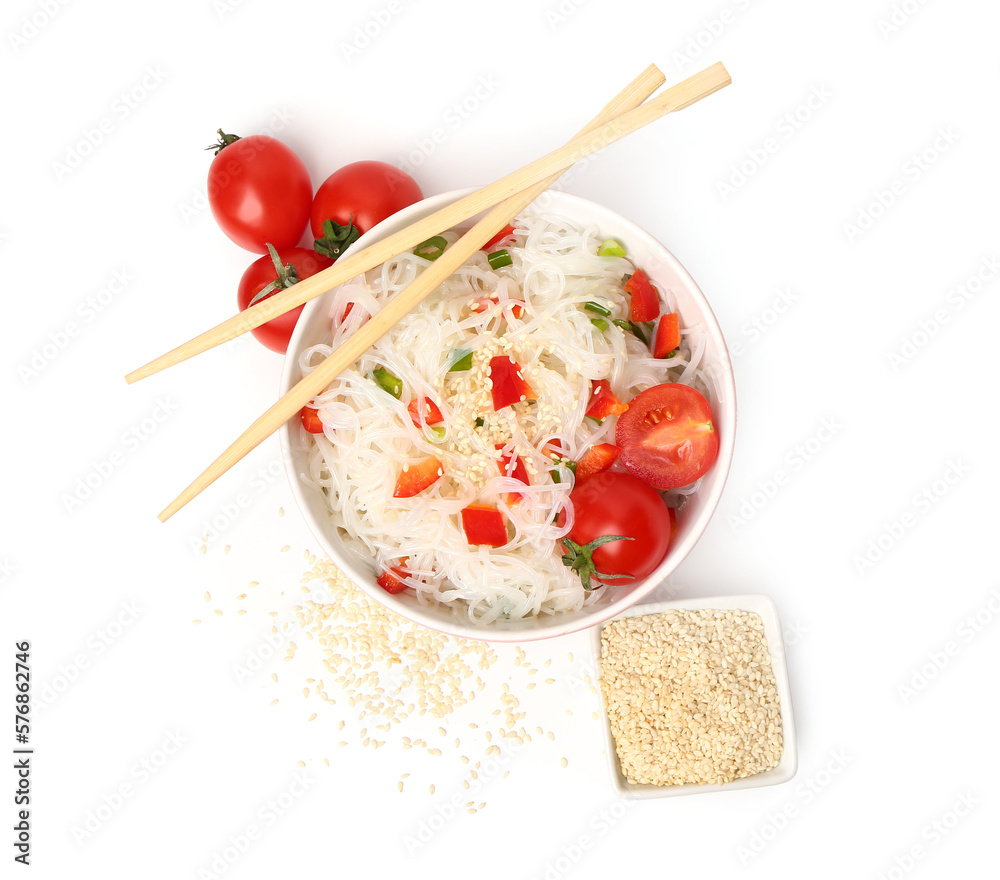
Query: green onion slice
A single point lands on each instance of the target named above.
(611, 248)
(499, 259)
(388, 382)
(597, 307)
(432, 248)
(463, 363)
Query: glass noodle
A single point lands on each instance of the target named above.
(368, 434)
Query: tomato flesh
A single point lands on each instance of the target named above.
(645, 302)
(667, 436)
(509, 385)
(276, 333)
(603, 402)
(613, 503)
(484, 524)
(432, 414)
(414, 478)
(668, 335)
(362, 193)
(596, 460)
(311, 420)
(259, 192)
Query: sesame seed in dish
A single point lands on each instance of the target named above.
(690, 696)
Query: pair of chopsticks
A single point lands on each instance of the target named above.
(506, 198)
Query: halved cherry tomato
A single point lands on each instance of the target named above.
(414, 478)
(668, 335)
(667, 436)
(603, 402)
(512, 466)
(390, 580)
(645, 302)
(509, 385)
(484, 524)
(506, 232)
(596, 460)
(311, 420)
(432, 415)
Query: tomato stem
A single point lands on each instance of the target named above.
(336, 238)
(224, 141)
(287, 276)
(581, 558)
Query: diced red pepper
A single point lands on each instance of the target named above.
(432, 415)
(603, 402)
(645, 302)
(484, 524)
(506, 232)
(311, 420)
(553, 448)
(390, 580)
(668, 335)
(518, 472)
(596, 460)
(509, 385)
(414, 478)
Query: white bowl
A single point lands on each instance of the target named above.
(787, 765)
(646, 252)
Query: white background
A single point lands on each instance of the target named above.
(867, 420)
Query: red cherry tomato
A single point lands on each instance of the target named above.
(667, 436)
(276, 332)
(613, 503)
(367, 191)
(414, 478)
(259, 192)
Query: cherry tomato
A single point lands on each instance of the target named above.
(276, 332)
(414, 478)
(509, 386)
(667, 436)
(362, 194)
(259, 192)
(609, 504)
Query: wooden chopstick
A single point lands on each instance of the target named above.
(627, 103)
(678, 97)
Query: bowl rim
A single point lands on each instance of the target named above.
(455, 626)
(758, 603)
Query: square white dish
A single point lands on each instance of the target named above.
(786, 767)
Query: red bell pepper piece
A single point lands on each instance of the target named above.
(432, 415)
(506, 232)
(484, 524)
(518, 471)
(414, 478)
(390, 580)
(603, 402)
(645, 302)
(668, 335)
(311, 420)
(596, 460)
(509, 385)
